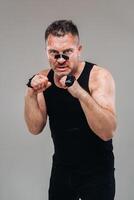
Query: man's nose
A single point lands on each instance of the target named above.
(61, 60)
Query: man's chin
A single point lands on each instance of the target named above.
(61, 74)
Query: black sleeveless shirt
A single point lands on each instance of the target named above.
(74, 141)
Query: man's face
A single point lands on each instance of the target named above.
(63, 54)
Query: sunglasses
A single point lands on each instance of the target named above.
(57, 56)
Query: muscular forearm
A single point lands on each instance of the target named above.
(100, 120)
(34, 118)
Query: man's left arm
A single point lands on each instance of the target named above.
(99, 105)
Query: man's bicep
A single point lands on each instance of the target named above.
(105, 101)
(103, 90)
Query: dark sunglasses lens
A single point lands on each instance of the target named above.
(65, 57)
(57, 56)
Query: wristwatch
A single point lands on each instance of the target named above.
(29, 82)
(69, 80)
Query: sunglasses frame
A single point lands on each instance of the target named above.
(60, 55)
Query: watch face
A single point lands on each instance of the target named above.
(69, 80)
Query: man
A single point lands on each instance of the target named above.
(81, 116)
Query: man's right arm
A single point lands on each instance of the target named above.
(35, 111)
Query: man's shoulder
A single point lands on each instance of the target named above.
(100, 74)
(100, 71)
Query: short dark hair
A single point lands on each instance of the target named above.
(60, 28)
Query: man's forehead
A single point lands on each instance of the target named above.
(66, 41)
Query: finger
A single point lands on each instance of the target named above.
(48, 84)
(42, 87)
(38, 82)
(62, 81)
(42, 77)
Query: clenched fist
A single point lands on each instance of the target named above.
(40, 83)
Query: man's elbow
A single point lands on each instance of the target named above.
(36, 130)
(109, 134)
(107, 137)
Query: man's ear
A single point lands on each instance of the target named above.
(80, 48)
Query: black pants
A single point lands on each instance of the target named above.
(74, 184)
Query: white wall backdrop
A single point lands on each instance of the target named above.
(107, 34)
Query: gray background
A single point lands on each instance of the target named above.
(107, 34)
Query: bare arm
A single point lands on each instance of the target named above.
(35, 111)
(99, 105)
